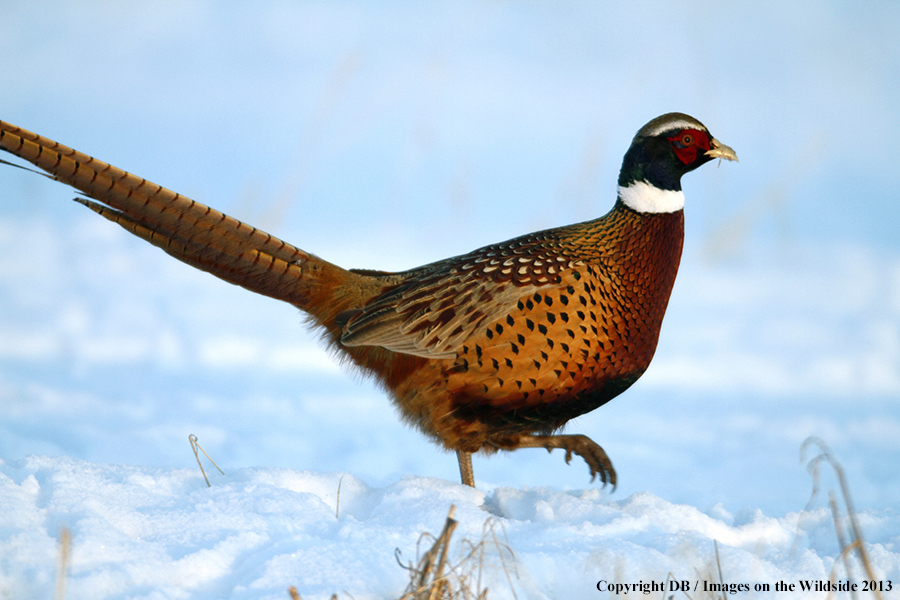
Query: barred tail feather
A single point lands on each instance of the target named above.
(192, 232)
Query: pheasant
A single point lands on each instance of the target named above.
(491, 350)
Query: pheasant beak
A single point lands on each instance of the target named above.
(719, 150)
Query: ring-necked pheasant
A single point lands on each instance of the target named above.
(491, 350)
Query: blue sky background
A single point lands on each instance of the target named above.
(388, 135)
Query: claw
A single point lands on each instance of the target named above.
(597, 460)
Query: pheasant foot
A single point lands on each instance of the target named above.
(596, 458)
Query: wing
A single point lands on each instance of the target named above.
(438, 307)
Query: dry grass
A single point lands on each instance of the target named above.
(195, 445)
(856, 545)
(436, 576)
(62, 566)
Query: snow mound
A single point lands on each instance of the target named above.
(141, 532)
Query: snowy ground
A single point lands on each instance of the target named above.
(389, 136)
(141, 532)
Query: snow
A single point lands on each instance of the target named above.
(141, 532)
(389, 135)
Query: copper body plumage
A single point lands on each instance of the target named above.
(574, 331)
(492, 350)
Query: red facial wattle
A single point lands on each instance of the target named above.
(688, 142)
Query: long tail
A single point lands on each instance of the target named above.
(191, 232)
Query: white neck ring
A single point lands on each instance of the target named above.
(645, 197)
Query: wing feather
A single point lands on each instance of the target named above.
(438, 307)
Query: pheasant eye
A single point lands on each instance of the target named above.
(687, 139)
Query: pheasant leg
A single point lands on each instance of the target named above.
(465, 468)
